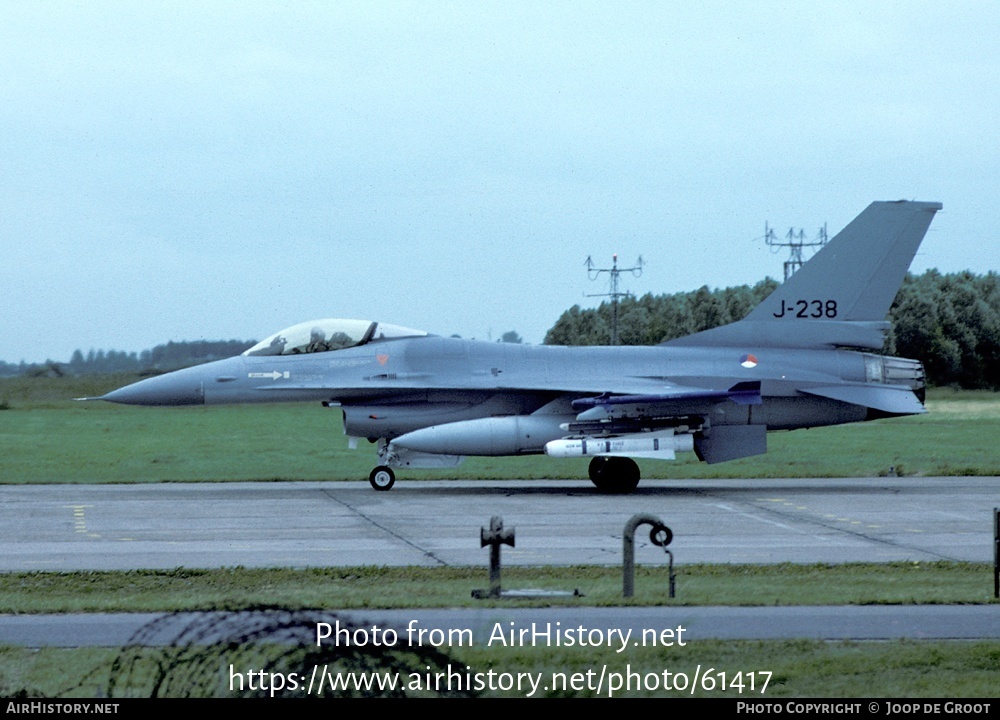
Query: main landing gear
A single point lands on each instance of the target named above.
(614, 475)
(382, 478)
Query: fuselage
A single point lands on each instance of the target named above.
(393, 387)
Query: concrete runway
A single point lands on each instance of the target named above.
(437, 523)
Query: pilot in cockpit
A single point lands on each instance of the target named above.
(340, 340)
(317, 341)
(277, 345)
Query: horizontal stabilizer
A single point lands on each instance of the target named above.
(892, 399)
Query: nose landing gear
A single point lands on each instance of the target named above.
(382, 478)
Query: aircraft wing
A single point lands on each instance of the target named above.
(669, 401)
(617, 391)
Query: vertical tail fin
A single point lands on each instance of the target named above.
(856, 276)
(842, 295)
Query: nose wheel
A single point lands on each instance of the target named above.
(382, 478)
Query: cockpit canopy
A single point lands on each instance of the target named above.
(329, 334)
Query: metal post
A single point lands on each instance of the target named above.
(494, 537)
(495, 570)
(996, 552)
(659, 535)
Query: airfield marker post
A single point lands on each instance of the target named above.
(496, 536)
(670, 566)
(996, 552)
(659, 535)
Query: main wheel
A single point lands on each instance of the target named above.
(599, 474)
(382, 478)
(614, 475)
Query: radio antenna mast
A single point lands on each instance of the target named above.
(614, 271)
(795, 242)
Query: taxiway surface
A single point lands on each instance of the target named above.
(437, 523)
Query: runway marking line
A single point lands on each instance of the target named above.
(80, 520)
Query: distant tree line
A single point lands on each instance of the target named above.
(162, 358)
(652, 319)
(950, 322)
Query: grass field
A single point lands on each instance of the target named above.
(389, 587)
(47, 437)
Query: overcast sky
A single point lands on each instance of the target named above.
(184, 171)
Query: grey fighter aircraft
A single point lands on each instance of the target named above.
(805, 357)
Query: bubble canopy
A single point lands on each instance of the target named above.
(329, 334)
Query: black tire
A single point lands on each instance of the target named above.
(598, 473)
(614, 475)
(382, 478)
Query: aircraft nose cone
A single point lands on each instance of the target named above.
(177, 388)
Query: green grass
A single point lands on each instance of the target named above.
(389, 587)
(48, 438)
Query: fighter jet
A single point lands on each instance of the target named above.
(805, 357)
